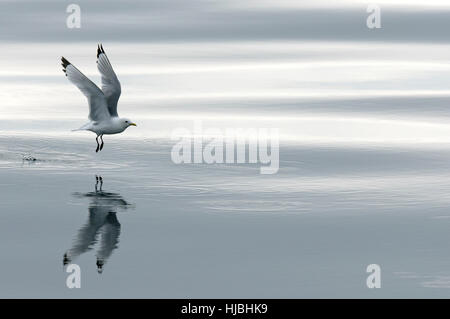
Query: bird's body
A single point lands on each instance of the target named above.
(114, 125)
(102, 103)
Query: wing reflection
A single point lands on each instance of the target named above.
(102, 225)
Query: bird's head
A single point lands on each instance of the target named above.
(127, 122)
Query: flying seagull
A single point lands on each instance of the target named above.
(102, 103)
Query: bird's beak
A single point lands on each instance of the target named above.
(133, 124)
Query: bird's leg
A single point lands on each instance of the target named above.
(101, 183)
(101, 138)
(96, 183)
(98, 145)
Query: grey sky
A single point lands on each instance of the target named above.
(197, 20)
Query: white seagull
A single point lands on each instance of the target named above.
(102, 103)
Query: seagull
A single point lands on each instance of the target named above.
(103, 117)
(102, 226)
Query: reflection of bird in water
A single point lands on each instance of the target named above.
(102, 221)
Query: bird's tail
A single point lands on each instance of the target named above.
(83, 128)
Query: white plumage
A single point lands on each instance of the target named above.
(103, 115)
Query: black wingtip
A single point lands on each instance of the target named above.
(100, 50)
(64, 63)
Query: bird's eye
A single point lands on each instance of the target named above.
(126, 121)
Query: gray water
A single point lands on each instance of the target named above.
(364, 172)
(197, 230)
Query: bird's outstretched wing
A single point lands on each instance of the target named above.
(110, 84)
(98, 109)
